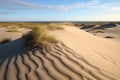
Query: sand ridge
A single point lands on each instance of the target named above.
(52, 63)
(78, 56)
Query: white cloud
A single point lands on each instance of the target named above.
(107, 18)
(83, 4)
(115, 8)
(23, 5)
(93, 2)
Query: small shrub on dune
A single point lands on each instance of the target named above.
(38, 35)
(35, 35)
(48, 40)
(13, 29)
(27, 26)
(5, 41)
(54, 26)
(91, 30)
(110, 37)
(100, 31)
(118, 23)
(68, 24)
(95, 31)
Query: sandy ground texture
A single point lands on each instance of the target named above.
(4, 34)
(79, 56)
(113, 32)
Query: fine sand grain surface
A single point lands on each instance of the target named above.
(112, 32)
(12, 35)
(78, 56)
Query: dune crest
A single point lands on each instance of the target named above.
(78, 56)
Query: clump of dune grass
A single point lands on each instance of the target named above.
(91, 30)
(110, 37)
(39, 35)
(13, 29)
(99, 31)
(95, 31)
(54, 26)
(5, 41)
(118, 23)
(68, 24)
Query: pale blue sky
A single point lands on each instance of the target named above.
(59, 10)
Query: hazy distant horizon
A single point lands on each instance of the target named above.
(58, 21)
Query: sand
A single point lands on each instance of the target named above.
(111, 31)
(12, 35)
(78, 56)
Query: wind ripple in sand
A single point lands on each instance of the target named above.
(55, 62)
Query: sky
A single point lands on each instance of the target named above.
(59, 10)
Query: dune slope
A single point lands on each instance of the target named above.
(55, 62)
(79, 56)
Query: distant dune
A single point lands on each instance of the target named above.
(110, 31)
(78, 56)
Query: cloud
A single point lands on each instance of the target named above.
(20, 4)
(109, 18)
(29, 5)
(108, 7)
(115, 8)
(24, 5)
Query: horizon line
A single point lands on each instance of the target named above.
(59, 21)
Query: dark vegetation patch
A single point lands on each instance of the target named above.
(103, 26)
(39, 36)
(109, 37)
(87, 26)
(5, 41)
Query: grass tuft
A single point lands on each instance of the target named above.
(13, 29)
(111, 37)
(99, 31)
(55, 26)
(39, 35)
(5, 41)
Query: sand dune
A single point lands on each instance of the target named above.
(112, 30)
(55, 62)
(12, 35)
(79, 56)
